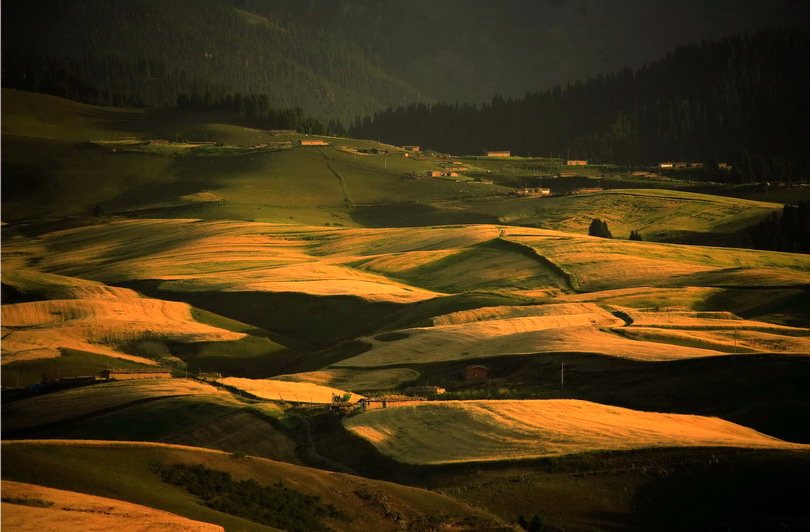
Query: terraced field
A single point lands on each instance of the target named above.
(473, 431)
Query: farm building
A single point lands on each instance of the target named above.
(586, 190)
(411, 148)
(389, 401)
(574, 162)
(145, 373)
(501, 153)
(665, 165)
(312, 142)
(212, 376)
(450, 174)
(476, 373)
(433, 173)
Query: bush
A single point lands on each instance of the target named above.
(277, 505)
(599, 228)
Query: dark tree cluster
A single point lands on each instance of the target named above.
(785, 231)
(635, 235)
(599, 228)
(743, 94)
(145, 52)
(259, 113)
(277, 505)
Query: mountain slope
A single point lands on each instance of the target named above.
(147, 52)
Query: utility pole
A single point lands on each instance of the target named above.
(562, 376)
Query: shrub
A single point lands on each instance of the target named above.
(599, 228)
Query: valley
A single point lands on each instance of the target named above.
(276, 285)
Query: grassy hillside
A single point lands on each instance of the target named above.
(58, 326)
(37, 507)
(126, 471)
(659, 215)
(513, 430)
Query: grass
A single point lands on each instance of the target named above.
(474, 431)
(88, 400)
(298, 392)
(124, 470)
(156, 420)
(70, 363)
(350, 379)
(660, 215)
(40, 329)
(67, 510)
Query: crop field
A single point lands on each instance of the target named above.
(474, 431)
(125, 470)
(40, 329)
(82, 401)
(278, 390)
(660, 215)
(351, 379)
(40, 508)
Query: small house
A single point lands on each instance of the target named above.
(665, 165)
(411, 148)
(131, 374)
(476, 373)
(574, 162)
(500, 153)
(433, 173)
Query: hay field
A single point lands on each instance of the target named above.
(660, 215)
(39, 329)
(472, 431)
(69, 510)
(353, 379)
(603, 264)
(278, 390)
(400, 265)
(582, 332)
(86, 400)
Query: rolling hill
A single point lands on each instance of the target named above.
(127, 471)
(518, 430)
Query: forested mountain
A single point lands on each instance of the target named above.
(712, 100)
(146, 52)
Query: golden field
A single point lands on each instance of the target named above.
(70, 510)
(278, 390)
(85, 400)
(472, 431)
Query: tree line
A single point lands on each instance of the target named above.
(741, 99)
(258, 112)
(146, 52)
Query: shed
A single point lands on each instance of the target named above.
(476, 373)
(575, 162)
(499, 153)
